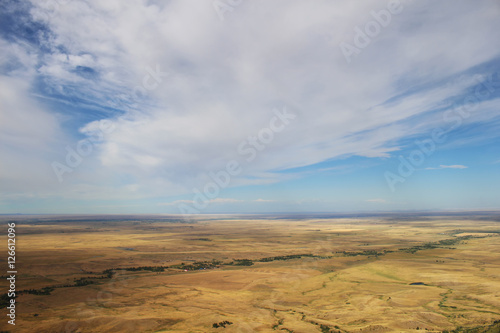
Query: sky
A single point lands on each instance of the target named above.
(249, 106)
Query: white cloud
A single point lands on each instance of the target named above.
(226, 77)
(29, 136)
(456, 166)
(264, 200)
(212, 201)
(176, 202)
(224, 200)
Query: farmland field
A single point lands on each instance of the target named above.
(255, 273)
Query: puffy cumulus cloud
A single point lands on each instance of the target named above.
(193, 89)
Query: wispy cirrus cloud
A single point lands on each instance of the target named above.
(263, 200)
(83, 61)
(212, 201)
(456, 166)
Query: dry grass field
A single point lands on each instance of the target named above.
(308, 274)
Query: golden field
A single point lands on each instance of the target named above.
(370, 274)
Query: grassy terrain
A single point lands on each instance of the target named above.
(230, 274)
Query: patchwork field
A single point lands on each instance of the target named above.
(255, 274)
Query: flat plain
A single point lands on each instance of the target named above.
(255, 273)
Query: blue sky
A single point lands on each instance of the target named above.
(184, 107)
